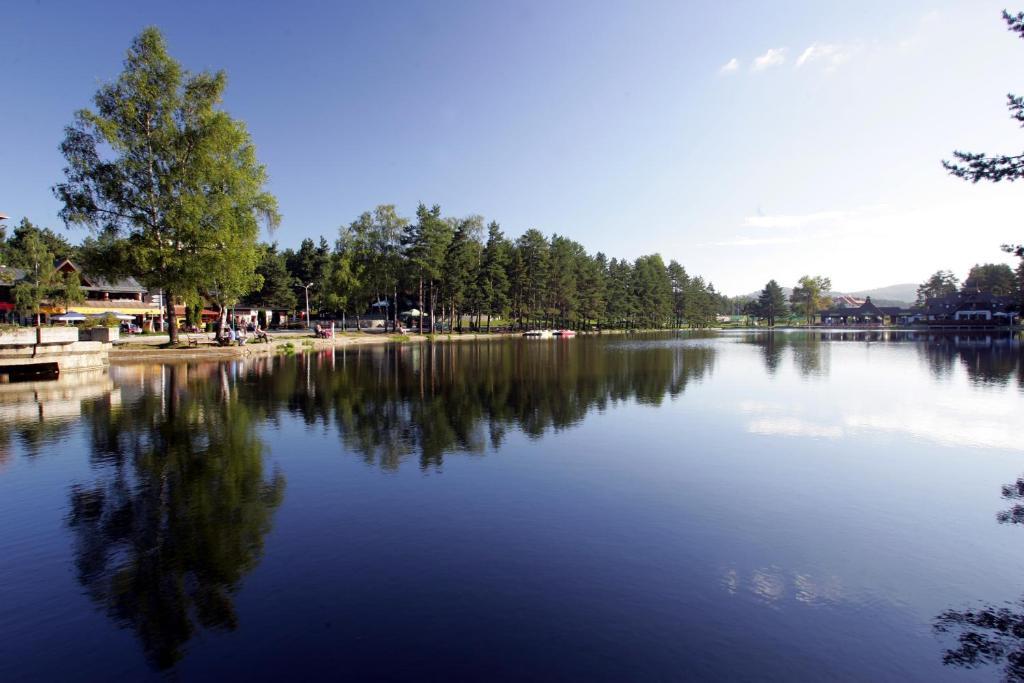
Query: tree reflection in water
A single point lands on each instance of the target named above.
(990, 634)
(995, 358)
(182, 504)
(392, 404)
(987, 636)
(178, 516)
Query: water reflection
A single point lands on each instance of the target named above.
(423, 401)
(990, 634)
(996, 359)
(35, 414)
(178, 512)
(181, 503)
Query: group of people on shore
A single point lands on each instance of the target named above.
(241, 334)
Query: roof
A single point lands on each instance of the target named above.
(97, 283)
(8, 275)
(957, 301)
(90, 283)
(847, 301)
(866, 308)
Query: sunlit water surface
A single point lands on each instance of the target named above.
(723, 506)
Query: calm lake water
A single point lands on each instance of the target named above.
(741, 506)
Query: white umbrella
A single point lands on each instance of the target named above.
(412, 313)
(69, 317)
(119, 316)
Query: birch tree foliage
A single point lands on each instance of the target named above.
(168, 179)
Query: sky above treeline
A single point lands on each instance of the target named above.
(748, 140)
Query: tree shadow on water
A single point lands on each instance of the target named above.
(990, 635)
(177, 514)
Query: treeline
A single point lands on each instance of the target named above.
(466, 274)
(994, 278)
(171, 188)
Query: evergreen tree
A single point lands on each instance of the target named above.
(941, 283)
(561, 286)
(996, 278)
(42, 282)
(678, 280)
(277, 290)
(592, 296)
(14, 251)
(461, 266)
(494, 284)
(771, 304)
(425, 244)
(534, 250)
(973, 166)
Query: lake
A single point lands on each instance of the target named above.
(743, 506)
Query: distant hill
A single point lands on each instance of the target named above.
(903, 295)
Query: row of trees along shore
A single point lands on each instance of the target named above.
(468, 273)
(170, 188)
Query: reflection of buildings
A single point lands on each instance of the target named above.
(35, 412)
(61, 399)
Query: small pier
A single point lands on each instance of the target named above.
(28, 354)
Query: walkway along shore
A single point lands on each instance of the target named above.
(142, 350)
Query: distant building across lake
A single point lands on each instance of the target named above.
(952, 308)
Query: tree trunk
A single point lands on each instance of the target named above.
(420, 301)
(222, 320)
(432, 302)
(172, 317)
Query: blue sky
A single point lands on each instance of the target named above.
(626, 126)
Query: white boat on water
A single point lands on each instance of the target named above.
(537, 334)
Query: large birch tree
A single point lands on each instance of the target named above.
(168, 179)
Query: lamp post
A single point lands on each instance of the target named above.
(306, 287)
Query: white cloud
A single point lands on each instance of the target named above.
(794, 426)
(773, 57)
(729, 67)
(745, 241)
(793, 221)
(830, 55)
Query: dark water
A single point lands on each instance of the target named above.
(734, 506)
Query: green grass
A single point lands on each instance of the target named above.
(287, 349)
(400, 338)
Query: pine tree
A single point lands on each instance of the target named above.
(494, 284)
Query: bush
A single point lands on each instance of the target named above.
(105, 321)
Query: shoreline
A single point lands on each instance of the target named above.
(132, 352)
(138, 352)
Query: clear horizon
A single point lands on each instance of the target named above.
(749, 146)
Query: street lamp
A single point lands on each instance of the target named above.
(306, 287)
